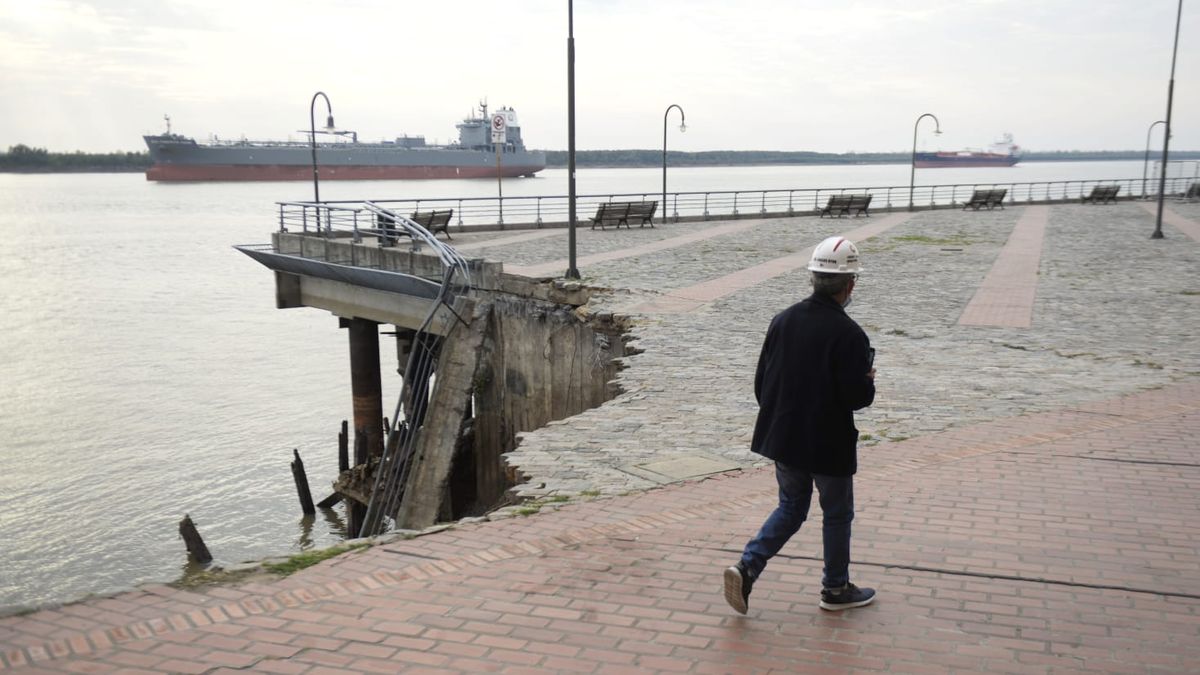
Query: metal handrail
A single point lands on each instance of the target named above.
(539, 210)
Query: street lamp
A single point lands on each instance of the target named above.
(1146, 159)
(1162, 181)
(312, 137)
(682, 127)
(572, 270)
(912, 174)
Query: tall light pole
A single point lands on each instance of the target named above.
(312, 138)
(1162, 181)
(682, 127)
(1146, 159)
(572, 270)
(912, 174)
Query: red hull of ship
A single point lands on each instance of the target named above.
(178, 172)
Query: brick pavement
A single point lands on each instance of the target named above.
(1066, 541)
(1005, 298)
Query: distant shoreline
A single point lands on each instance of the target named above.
(23, 159)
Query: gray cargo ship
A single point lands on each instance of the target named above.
(179, 158)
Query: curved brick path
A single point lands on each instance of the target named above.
(1042, 514)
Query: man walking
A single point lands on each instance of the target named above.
(814, 371)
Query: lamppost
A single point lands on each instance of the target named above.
(682, 127)
(572, 270)
(912, 174)
(1146, 159)
(312, 137)
(1162, 181)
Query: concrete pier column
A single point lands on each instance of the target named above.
(365, 382)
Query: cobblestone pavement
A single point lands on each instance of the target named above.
(1115, 312)
(1027, 500)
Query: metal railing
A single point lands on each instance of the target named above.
(536, 211)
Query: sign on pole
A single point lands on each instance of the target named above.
(499, 128)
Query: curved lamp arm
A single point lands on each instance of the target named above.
(682, 127)
(912, 174)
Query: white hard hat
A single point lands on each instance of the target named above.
(835, 255)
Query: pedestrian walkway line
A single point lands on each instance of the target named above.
(690, 298)
(1005, 298)
(514, 239)
(660, 245)
(1185, 225)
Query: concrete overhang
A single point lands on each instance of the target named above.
(353, 292)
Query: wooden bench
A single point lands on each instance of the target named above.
(1103, 193)
(986, 198)
(847, 205)
(1193, 192)
(434, 221)
(621, 213)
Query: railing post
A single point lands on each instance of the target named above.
(763, 206)
(735, 196)
(790, 211)
(706, 206)
(282, 226)
(539, 212)
(460, 221)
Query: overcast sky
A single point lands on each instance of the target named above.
(831, 76)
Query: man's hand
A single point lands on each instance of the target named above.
(871, 373)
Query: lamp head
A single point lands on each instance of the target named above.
(329, 123)
(682, 126)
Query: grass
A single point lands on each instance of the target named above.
(953, 240)
(308, 559)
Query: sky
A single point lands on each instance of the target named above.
(828, 76)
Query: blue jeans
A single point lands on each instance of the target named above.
(795, 496)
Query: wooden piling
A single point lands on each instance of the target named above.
(344, 448)
(330, 501)
(306, 501)
(191, 538)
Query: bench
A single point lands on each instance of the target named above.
(434, 221)
(622, 213)
(1193, 192)
(846, 205)
(986, 198)
(1103, 193)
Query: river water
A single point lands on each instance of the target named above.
(146, 374)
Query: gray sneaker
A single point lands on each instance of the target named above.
(845, 597)
(737, 588)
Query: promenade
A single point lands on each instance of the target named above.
(1027, 500)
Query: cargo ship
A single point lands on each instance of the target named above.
(1001, 153)
(340, 155)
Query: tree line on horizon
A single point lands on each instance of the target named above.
(23, 158)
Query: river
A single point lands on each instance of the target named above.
(146, 373)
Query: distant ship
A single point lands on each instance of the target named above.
(179, 158)
(1001, 153)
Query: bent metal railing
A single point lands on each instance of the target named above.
(545, 210)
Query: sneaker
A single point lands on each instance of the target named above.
(845, 597)
(737, 588)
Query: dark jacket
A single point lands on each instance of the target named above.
(812, 376)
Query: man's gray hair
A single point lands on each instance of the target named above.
(825, 283)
